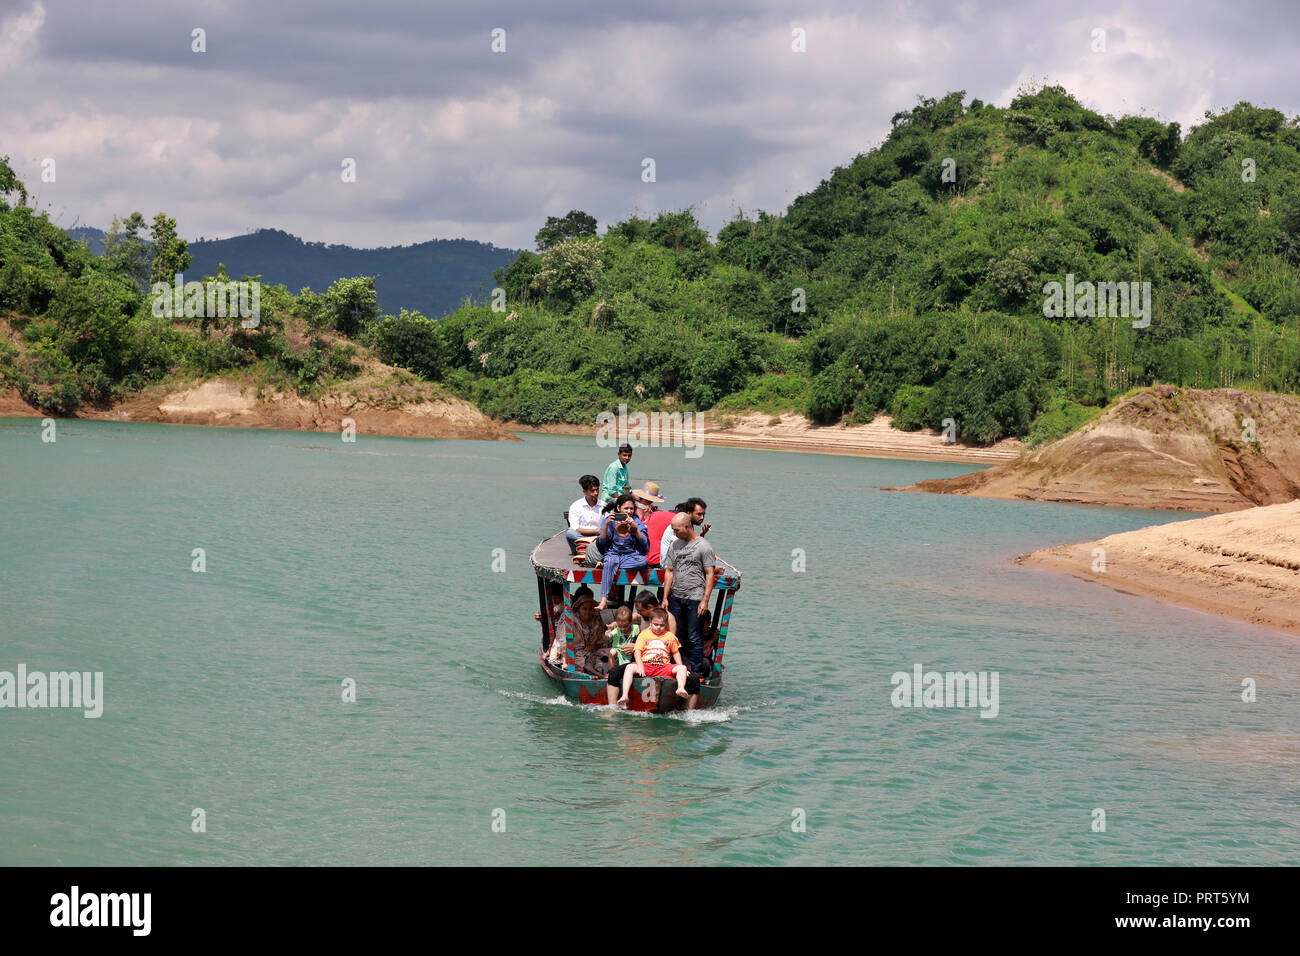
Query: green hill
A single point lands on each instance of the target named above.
(927, 277)
(920, 268)
(430, 277)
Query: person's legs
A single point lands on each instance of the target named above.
(572, 537)
(608, 574)
(687, 613)
(627, 681)
(614, 681)
(592, 556)
(679, 674)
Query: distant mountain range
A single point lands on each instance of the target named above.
(431, 277)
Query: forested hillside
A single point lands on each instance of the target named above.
(915, 279)
(429, 277)
(920, 268)
(77, 329)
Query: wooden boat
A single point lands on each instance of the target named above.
(552, 563)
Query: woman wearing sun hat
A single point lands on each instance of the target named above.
(648, 500)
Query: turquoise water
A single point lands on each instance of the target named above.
(373, 561)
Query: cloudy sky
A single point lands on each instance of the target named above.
(451, 139)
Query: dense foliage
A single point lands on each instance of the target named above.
(912, 280)
(80, 328)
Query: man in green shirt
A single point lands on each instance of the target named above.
(616, 480)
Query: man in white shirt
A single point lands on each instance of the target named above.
(584, 514)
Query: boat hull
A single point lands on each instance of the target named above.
(648, 694)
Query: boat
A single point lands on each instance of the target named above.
(552, 563)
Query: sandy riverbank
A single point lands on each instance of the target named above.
(794, 432)
(401, 409)
(1243, 565)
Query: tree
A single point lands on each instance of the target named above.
(171, 252)
(409, 340)
(127, 252)
(569, 272)
(10, 183)
(576, 225)
(352, 304)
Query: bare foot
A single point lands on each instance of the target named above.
(682, 693)
(622, 700)
(601, 605)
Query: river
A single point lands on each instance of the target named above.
(226, 738)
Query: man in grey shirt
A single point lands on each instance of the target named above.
(689, 575)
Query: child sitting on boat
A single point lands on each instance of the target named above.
(656, 654)
(622, 636)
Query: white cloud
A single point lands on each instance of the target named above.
(18, 36)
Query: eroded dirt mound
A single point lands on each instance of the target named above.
(404, 409)
(12, 404)
(1165, 447)
(378, 404)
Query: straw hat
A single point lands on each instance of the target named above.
(649, 492)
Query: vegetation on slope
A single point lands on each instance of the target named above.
(912, 280)
(915, 285)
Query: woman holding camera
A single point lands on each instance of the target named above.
(623, 541)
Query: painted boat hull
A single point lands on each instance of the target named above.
(648, 694)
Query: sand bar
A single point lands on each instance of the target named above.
(1243, 565)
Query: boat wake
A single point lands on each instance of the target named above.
(560, 700)
(710, 715)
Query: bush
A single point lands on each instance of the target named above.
(47, 379)
(993, 390)
(351, 304)
(770, 393)
(411, 341)
(568, 272)
(832, 392)
(910, 408)
(539, 398)
(1058, 419)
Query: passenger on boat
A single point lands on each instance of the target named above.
(590, 645)
(689, 575)
(696, 508)
(656, 654)
(555, 599)
(709, 637)
(560, 621)
(658, 525)
(584, 514)
(616, 480)
(648, 500)
(623, 543)
(622, 636)
(646, 602)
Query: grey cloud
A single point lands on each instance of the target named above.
(724, 116)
